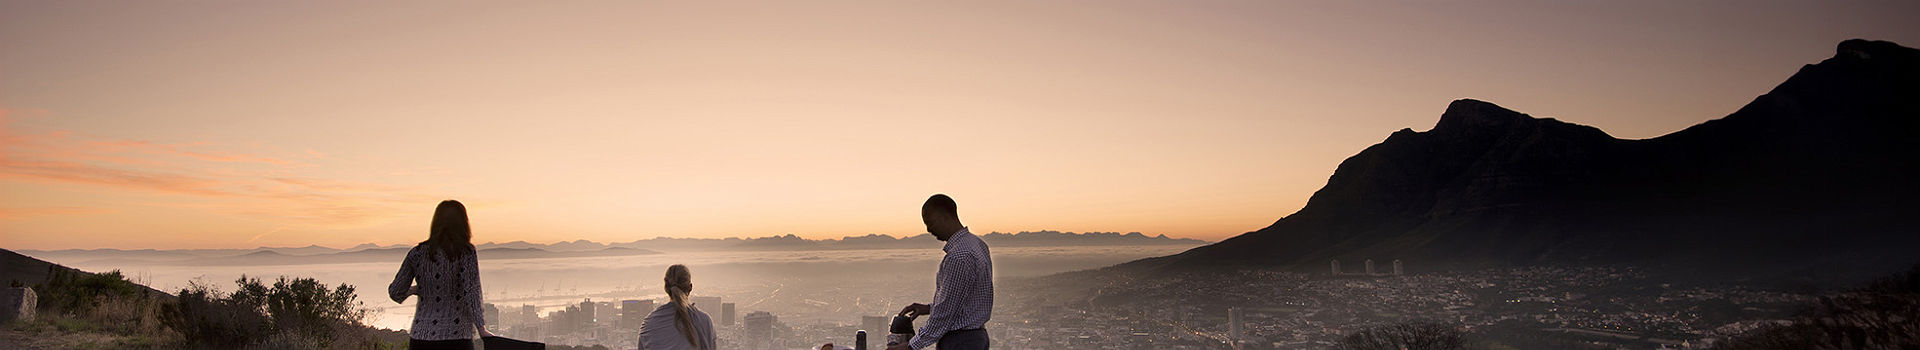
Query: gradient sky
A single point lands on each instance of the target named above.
(167, 124)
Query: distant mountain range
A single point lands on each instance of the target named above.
(525, 250)
(1819, 177)
(271, 257)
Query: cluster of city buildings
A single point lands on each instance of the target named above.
(1527, 307)
(1531, 307)
(617, 325)
(606, 323)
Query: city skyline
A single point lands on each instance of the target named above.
(235, 126)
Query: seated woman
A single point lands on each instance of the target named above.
(448, 273)
(677, 325)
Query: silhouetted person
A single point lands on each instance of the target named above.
(448, 273)
(677, 325)
(963, 289)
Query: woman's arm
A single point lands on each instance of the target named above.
(470, 288)
(402, 285)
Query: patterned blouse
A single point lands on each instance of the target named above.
(449, 305)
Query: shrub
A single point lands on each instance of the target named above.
(1881, 315)
(208, 318)
(306, 306)
(291, 313)
(69, 291)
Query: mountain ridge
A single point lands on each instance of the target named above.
(1807, 173)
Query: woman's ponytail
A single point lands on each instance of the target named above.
(679, 283)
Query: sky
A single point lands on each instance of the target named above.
(237, 124)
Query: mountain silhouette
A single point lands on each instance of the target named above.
(1817, 175)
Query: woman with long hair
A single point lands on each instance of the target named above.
(448, 275)
(678, 324)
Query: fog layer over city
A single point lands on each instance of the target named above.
(799, 287)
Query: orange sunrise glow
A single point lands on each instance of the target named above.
(246, 124)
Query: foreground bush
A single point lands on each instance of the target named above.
(297, 313)
(104, 310)
(1884, 315)
(67, 291)
(209, 318)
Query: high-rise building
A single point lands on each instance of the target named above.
(608, 312)
(1396, 267)
(1234, 327)
(586, 314)
(874, 325)
(1336, 267)
(759, 330)
(1369, 267)
(726, 314)
(529, 314)
(566, 320)
(490, 313)
(633, 312)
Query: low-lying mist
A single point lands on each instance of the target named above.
(819, 286)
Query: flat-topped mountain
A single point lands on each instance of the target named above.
(1817, 175)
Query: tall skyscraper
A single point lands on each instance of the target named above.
(1336, 267)
(1396, 267)
(608, 312)
(633, 312)
(759, 330)
(567, 320)
(1234, 327)
(585, 319)
(490, 313)
(1369, 267)
(726, 314)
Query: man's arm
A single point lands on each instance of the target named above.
(916, 310)
(955, 282)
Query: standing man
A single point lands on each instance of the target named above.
(963, 290)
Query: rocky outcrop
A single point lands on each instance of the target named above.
(17, 304)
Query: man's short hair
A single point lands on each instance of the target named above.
(942, 203)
